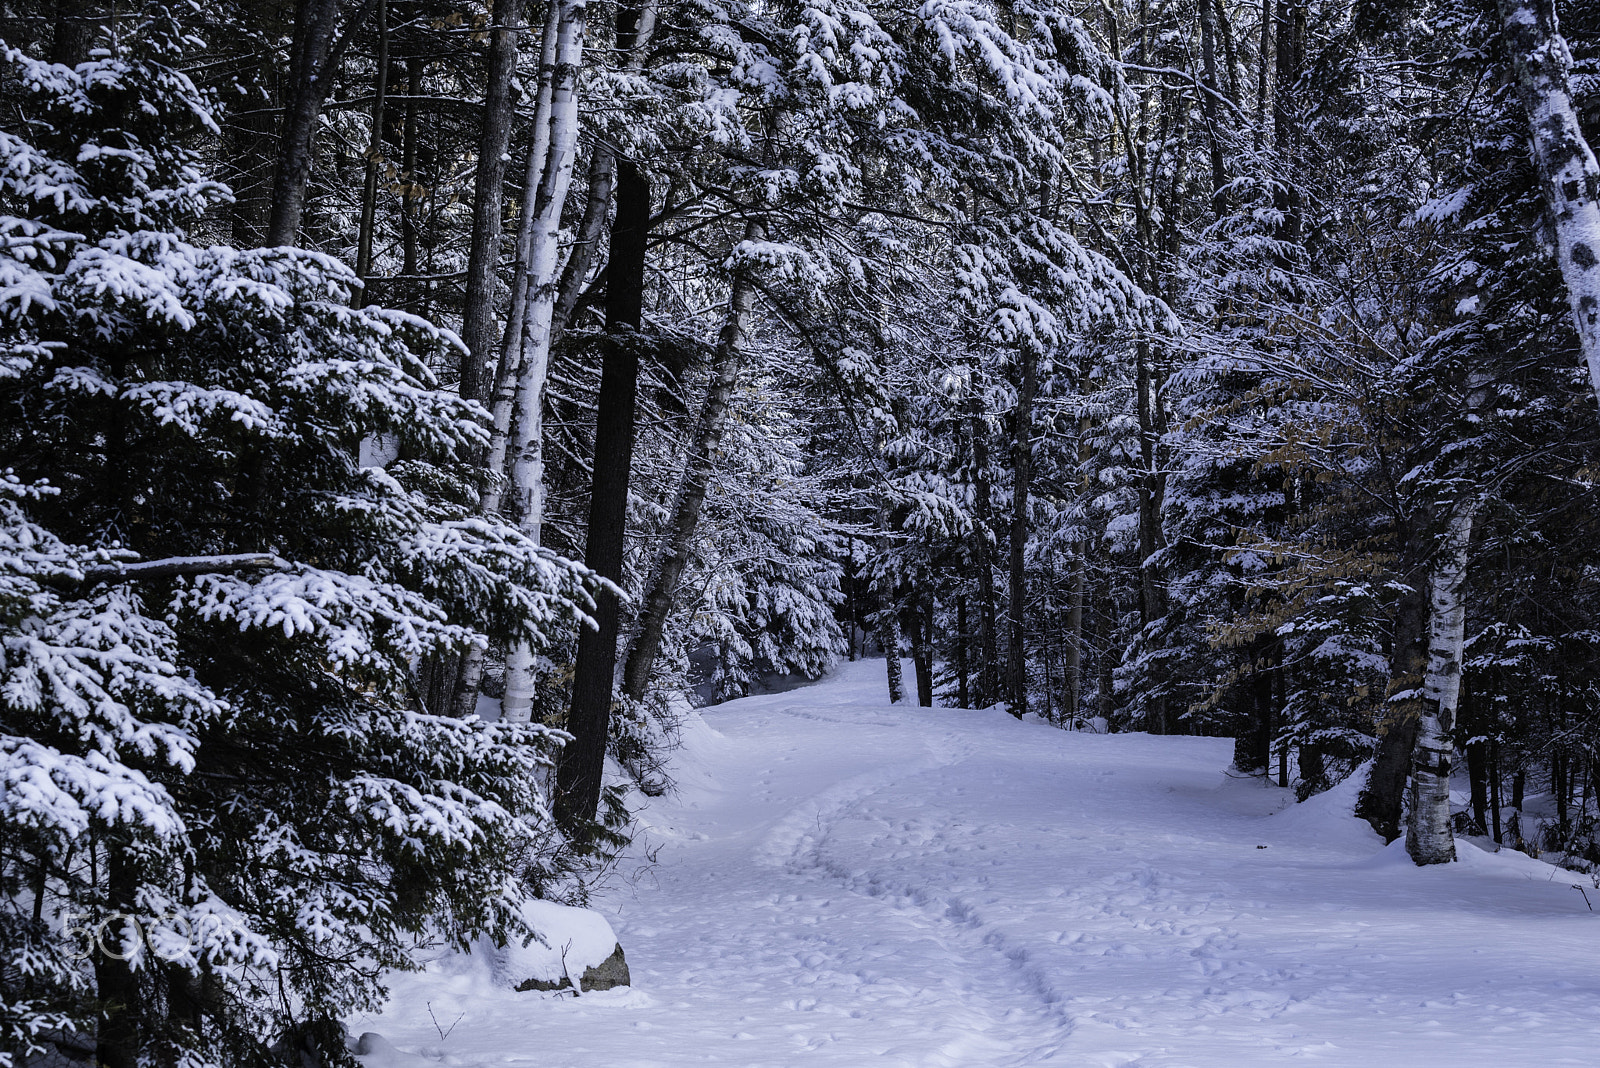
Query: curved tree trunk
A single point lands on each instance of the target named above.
(661, 595)
(1567, 168)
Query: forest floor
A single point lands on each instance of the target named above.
(841, 882)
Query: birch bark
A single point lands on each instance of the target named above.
(507, 375)
(1429, 839)
(1567, 168)
(524, 444)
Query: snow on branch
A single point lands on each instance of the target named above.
(171, 567)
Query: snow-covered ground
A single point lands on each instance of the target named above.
(839, 882)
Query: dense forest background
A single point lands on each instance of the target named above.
(1195, 366)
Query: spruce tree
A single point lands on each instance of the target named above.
(224, 811)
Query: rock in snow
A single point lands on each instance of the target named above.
(578, 947)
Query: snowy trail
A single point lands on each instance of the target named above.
(840, 882)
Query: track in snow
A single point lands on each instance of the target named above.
(843, 883)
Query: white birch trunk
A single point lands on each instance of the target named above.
(503, 388)
(525, 445)
(1567, 167)
(1429, 838)
(507, 376)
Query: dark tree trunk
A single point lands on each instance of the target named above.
(1152, 486)
(1291, 48)
(889, 637)
(251, 148)
(1381, 800)
(963, 692)
(318, 45)
(582, 760)
(73, 33)
(1208, 103)
(1560, 786)
(411, 195)
(584, 252)
(369, 187)
(1263, 69)
(1478, 779)
(919, 624)
(1252, 746)
(851, 608)
(1495, 801)
(1229, 49)
(1072, 656)
(117, 1038)
(661, 597)
(483, 251)
(1313, 771)
(1021, 474)
(988, 688)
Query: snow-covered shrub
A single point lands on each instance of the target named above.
(222, 810)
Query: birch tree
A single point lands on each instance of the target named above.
(1429, 835)
(1568, 173)
(525, 449)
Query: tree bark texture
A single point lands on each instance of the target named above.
(318, 45)
(1152, 486)
(889, 638)
(508, 376)
(369, 185)
(1072, 653)
(117, 1038)
(988, 682)
(1208, 103)
(525, 444)
(1568, 172)
(1429, 838)
(919, 623)
(483, 250)
(582, 760)
(1382, 799)
(963, 690)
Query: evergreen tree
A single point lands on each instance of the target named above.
(223, 810)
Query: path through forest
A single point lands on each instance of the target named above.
(840, 882)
